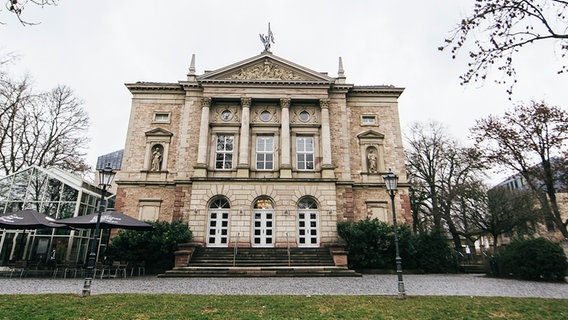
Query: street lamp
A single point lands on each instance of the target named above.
(391, 183)
(106, 175)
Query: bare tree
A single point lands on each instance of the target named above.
(500, 28)
(504, 211)
(46, 129)
(526, 140)
(17, 7)
(439, 169)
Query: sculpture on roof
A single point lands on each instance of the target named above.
(267, 39)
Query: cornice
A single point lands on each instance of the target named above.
(153, 86)
(376, 90)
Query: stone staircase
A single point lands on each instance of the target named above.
(260, 262)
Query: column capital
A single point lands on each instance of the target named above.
(285, 102)
(206, 102)
(246, 101)
(324, 103)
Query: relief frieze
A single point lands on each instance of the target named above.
(266, 71)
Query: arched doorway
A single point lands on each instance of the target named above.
(263, 223)
(218, 225)
(308, 226)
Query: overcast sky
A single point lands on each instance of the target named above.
(95, 47)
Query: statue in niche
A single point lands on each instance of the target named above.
(372, 159)
(156, 159)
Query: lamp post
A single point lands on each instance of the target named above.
(106, 175)
(391, 183)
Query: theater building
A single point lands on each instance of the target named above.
(262, 153)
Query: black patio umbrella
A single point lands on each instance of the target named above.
(109, 220)
(28, 219)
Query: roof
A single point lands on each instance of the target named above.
(113, 158)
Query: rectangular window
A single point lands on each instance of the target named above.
(305, 153)
(224, 152)
(368, 120)
(265, 153)
(161, 117)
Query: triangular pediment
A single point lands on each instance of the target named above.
(159, 132)
(265, 67)
(371, 134)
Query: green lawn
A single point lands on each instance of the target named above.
(170, 306)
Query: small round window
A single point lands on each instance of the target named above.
(304, 116)
(226, 115)
(265, 115)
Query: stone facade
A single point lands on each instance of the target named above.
(263, 152)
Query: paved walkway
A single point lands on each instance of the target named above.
(450, 285)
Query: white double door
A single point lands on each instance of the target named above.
(218, 229)
(263, 228)
(308, 235)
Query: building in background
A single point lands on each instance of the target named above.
(262, 153)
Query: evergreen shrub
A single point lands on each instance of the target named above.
(156, 248)
(370, 244)
(534, 259)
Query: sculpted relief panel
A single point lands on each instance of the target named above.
(226, 113)
(266, 71)
(304, 114)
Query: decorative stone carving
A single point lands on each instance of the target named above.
(372, 160)
(266, 71)
(285, 102)
(226, 113)
(324, 103)
(265, 114)
(157, 153)
(305, 114)
(205, 102)
(245, 102)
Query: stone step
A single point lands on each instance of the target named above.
(473, 268)
(260, 272)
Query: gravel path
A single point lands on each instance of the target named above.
(449, 285)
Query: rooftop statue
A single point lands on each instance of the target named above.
(267, 39)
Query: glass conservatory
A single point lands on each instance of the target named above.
(59, 195)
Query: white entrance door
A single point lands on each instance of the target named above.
(263, 230)
(218, 233)
(308, 229)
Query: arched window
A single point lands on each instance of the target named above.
(263, 203)
(307, 203)
(220, 203)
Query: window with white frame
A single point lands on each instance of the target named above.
(305, 153)
(264, 152)
(163, 117)
(368, 120)
(224, 152)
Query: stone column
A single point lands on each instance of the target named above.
(285, 164)
(244, 146)
(327, 168)
(201, 166)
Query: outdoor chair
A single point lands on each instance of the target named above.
(140, 266)
(119, 267)
(59, 266)
(70, 266)
(101, 268)
(19, 266)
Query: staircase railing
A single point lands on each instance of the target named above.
(236, 249)
(288, 249)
